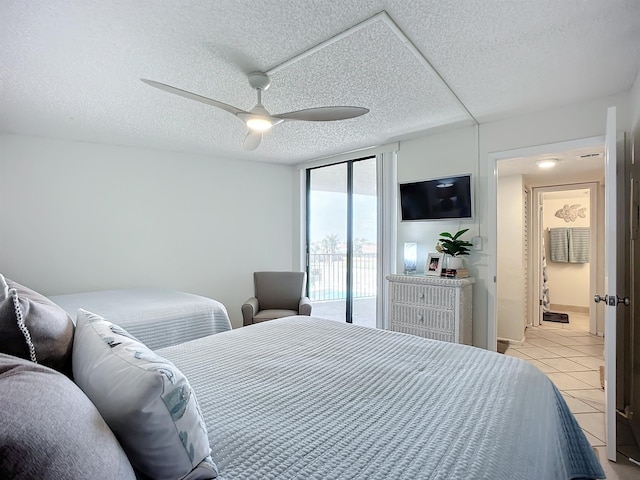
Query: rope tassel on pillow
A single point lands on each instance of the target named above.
(21, 325)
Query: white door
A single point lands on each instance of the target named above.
(542, 287)
(611, 292)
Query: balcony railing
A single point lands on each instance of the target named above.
(328, 276)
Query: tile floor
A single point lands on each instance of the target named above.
(571, 358)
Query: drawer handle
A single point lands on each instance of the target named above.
(420, 317)
(422, 295)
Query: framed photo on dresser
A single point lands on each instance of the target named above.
(434, 265)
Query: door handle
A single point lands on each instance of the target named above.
(612, 300)
(625, 300)
(598, 298)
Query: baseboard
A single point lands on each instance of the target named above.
(556, 307)
(512, 342)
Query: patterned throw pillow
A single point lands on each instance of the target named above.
(144, 398)
(33, 327)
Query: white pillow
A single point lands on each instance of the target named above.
(144, 398)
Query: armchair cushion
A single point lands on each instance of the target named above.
(279, 290)
(264, 315)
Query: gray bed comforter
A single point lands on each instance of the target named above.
(157, 316)
(307, 398)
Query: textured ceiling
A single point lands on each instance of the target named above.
(71, 68)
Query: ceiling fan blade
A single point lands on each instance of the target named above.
(193, 96)
(324, 114)
(252, 140)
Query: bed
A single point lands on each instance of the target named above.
(161, 316)
(308, 398)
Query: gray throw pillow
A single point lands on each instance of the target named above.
(50, 430)
(33, 327)
(144, 398)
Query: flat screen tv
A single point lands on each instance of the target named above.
(437, 199)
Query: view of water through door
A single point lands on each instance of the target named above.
(342, 241)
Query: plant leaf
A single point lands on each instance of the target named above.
(461, 232)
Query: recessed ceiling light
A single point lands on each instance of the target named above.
(547, 163)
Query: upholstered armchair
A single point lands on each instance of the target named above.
(277, 294)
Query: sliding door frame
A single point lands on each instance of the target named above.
(387, 216)
(349, 229)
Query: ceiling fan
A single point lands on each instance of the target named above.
(258, 119)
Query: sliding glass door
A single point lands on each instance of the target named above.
(342, 241)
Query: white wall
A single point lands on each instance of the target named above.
(86, 216)
(455, 152)
(511, 277)
(441, 155)
(568, 282)
(81, 217)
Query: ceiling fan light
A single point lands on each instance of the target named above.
(259, 124)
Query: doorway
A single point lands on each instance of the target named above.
(566, 255)
(562, 200)
(619, 373)
(342, 233)
(521, 185)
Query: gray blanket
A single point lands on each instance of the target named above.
(307, 398)
(159, 317)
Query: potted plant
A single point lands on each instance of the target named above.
(453, 247)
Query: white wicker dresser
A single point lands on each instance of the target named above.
(431, 307)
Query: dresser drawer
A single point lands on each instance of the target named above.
(425, 322)
(429, 296)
